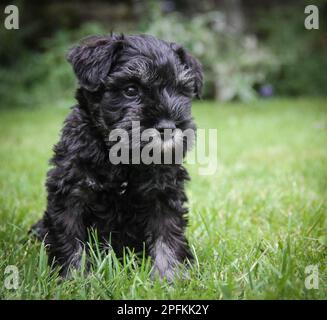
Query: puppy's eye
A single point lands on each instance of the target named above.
(131, 91)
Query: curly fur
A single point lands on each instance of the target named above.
(129, 205)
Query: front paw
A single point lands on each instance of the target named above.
(75, 263)
(163, 273)
(171, 273)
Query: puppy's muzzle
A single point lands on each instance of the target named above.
(165, 128)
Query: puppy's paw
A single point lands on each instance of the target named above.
(38, 230)
(177, 272)
(168, 274)
(76, 263)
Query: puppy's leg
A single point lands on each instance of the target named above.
(167, 244)
(38, 230)
(65, 239)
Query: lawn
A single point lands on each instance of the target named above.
(254, 226)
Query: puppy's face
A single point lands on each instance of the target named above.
(140, 80)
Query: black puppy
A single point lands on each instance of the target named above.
(122, 79)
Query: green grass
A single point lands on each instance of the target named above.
(254, 226)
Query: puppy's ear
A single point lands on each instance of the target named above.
(192, 63)
(93, 58)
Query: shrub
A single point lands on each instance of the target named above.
(234, 64)
(42, 77)
(302, 54)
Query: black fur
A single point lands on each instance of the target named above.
(131, 205)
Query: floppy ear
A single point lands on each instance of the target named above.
(193, 64)
(92, 60)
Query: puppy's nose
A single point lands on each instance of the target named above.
(163, 125)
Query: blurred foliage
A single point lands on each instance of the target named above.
(274, 49)
(234, 63)
(301, 53)
(40, 77)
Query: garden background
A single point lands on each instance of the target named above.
(255, 225)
